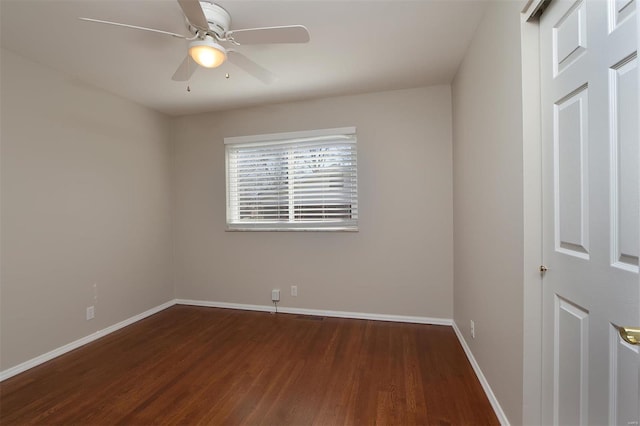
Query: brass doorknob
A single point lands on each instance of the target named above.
(630, 335)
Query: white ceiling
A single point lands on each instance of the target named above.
(355, 47)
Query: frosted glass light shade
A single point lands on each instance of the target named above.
(207, 53)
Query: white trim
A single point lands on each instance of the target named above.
(532, 224)
(502, 417)
(248, 228)
(190, 302)
(290, 136)
(10, 372)
(531, 9)
(318, 312)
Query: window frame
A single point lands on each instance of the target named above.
(290, 138)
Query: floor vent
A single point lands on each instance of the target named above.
(309, 317)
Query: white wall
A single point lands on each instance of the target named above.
(86, 197)
(488, 202)
(400, 262)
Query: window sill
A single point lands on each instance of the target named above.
(280, 229)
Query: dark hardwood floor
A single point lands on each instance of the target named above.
(191, 365)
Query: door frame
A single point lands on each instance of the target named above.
(532, 211)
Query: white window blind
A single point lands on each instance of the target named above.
(293, 181)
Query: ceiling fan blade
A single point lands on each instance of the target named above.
(185, 69)
(135, 27)
(194, 13)
(286, 34)
(241, 61)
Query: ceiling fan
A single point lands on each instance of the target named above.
(209, 26)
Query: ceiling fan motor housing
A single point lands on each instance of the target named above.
(219, 19)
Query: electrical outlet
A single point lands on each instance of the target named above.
(275, 295)
(294, 290)
(473, 329)
(91, 313)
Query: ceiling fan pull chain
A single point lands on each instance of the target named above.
(189, 74)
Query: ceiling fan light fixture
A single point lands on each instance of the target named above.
(207, 53)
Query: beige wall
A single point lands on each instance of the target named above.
(400, 262)
(85, 193)
(488, 202)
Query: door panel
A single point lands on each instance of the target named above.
(623, 379)
(571, 355)
(572, 186)
(625, 183)
(569, 38)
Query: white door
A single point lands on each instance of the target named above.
(591, 213)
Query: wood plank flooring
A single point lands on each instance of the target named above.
(192, 365)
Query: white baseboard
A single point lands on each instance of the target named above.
(10, 372)
(502, 418)
(318, 312)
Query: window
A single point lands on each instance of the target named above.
(293, 181)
